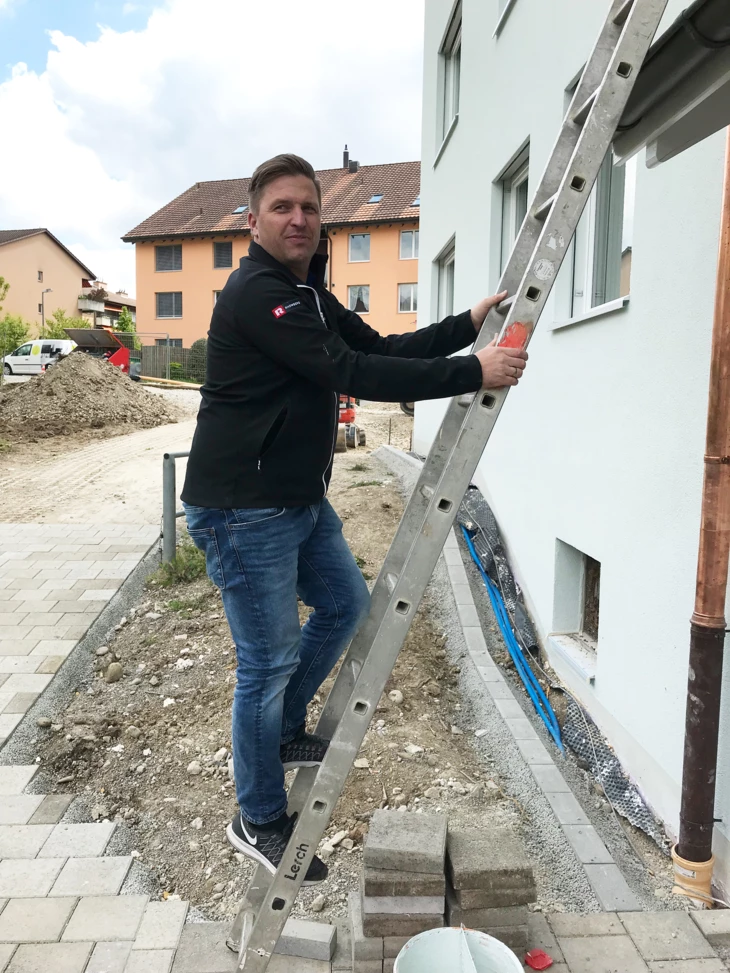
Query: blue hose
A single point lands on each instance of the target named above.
(533, 687)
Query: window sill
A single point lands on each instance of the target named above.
(447, 138)
(572, 651)
(503, 17)
(595, 312)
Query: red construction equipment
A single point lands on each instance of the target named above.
(348, 433)
(116, 347)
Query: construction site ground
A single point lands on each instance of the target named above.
(163, 769)
(151, 751)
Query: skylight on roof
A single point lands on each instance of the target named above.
(416, 201)
(240, 209)
(376, 198)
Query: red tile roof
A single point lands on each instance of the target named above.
(207, 207)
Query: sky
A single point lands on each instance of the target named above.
(111, 108)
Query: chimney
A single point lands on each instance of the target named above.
(353, 166)
(345, 159)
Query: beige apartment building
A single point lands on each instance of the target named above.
(370, 217)
(43, 275)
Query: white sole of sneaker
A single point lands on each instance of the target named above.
(250, 852)
(296, 764)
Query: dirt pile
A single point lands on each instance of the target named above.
(79, 392)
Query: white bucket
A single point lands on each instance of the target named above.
(456, 951)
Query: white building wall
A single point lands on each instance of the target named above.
(601, 445)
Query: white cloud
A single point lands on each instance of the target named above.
(116, 127)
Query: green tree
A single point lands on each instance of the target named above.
(196, 361)
(59, 321)
(126, 321)
(4, 288)
(13, 332)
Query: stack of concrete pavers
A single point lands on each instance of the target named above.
(403, 887)
(489, 884)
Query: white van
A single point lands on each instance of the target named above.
(34, 356)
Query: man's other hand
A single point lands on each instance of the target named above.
(501, 366)
(482, 309)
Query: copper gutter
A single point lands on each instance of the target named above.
(708, 623)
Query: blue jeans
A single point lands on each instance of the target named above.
(261, 559)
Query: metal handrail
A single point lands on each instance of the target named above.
(169, 513)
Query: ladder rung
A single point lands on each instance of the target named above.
(624, 11)
(504, 306)
(541, 213)
(585, 109)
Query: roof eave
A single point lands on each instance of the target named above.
(668, 116)
(202, 234)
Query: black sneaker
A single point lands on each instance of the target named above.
(266, 845)
(305, 750)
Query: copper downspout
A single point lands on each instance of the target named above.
(708, 621)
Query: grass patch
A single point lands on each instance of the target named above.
(188, 565)
(360, 468)
(361, 562)
(5, 446)
(364, 483)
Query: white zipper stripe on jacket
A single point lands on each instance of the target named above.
(306, 287)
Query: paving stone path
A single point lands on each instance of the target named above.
(62, 904)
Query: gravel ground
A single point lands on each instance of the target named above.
(128, 756)
(186, 400)
(562, 882)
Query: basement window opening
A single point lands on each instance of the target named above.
(577, 598)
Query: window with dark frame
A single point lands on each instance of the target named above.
(40, 309)
(168, 258)
(40, 276)
(169, 304)
(222, 254)
(171, 342)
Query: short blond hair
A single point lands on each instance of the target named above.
(281, 165)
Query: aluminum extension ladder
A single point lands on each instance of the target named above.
(548, 228)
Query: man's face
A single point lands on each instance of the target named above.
(287, 224)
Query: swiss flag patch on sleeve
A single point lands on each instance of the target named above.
(279, 311)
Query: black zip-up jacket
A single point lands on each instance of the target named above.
(279, 354)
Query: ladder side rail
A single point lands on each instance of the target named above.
(592, 145)
(413, 517)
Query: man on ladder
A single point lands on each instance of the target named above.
(281, 348)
